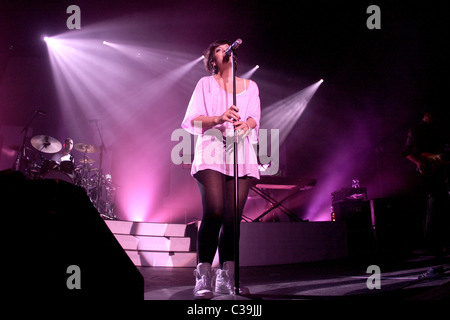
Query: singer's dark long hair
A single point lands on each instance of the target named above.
(209, 56)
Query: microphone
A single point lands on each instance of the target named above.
(40, 112)
(234, 46)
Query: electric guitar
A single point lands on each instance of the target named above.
(435, 163)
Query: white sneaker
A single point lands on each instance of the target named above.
(225, 280)
(432, 273)
(203, 281)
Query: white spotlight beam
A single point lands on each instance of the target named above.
(284, 114)
(157, 87)
(249, 73)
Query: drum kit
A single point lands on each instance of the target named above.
(99, 187)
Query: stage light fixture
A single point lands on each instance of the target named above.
(50, 41)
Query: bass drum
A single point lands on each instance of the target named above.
(47, 166)
(58, 175)
(67, 167)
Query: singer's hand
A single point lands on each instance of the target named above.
(242, 128)
(231, 115)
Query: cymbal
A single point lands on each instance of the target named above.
(87, 160)
(85, 147)
(46, 144)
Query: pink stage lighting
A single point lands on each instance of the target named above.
(137, 94)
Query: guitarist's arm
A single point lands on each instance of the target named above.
(421, 163)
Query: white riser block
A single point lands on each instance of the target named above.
(129, 242)
(146, 228)
(163, 259)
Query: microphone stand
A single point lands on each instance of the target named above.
(237, 219)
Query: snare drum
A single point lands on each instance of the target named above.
(55, 174)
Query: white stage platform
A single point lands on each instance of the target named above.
(262, 243)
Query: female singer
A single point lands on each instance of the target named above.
(211, 116)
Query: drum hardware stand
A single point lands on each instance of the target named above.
(21, 153)
(94, 184)
(109, 205)
(84, 175)
(100, 173)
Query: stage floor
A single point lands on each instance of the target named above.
(326, 280)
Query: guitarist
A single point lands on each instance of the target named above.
(428, 147)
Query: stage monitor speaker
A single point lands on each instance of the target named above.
(56, 245)
(357, 217)
(355, 213)
(390, 220)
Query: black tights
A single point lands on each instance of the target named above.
(217, 228)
